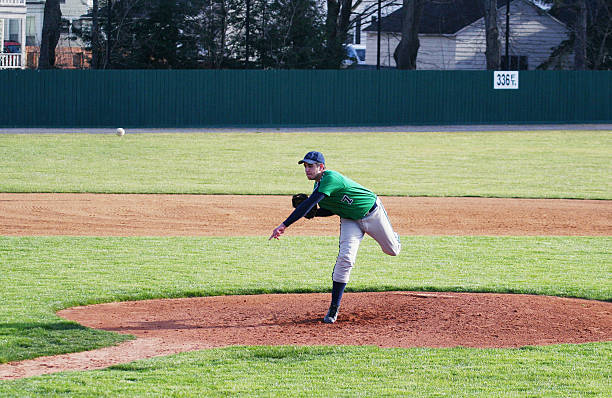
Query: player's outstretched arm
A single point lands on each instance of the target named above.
(298, 213)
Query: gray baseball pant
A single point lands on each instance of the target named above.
(377, 225)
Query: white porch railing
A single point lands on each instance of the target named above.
(9, 61)
(12, 2)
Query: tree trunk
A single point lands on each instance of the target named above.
(405, 53)
(580, 31)
(337, 24)
(492, 52)
(50, 34)
(95, 37)
(109, 34)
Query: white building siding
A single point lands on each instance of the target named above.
(435, 52)
(471, 45)
(388, 42)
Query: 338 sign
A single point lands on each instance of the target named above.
(506, 79)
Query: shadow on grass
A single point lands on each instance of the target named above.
(27, 340)
(31, 326)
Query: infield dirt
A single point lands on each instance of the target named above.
(389, 319)
(232, 215)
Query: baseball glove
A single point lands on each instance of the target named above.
(298, 198)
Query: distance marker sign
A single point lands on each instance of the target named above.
(506, 79)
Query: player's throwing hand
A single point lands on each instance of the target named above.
(278, 231)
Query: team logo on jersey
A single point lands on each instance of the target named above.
(347, 200)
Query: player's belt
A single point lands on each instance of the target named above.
(371, 210)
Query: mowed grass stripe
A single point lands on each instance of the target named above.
(552, 371)
(534, 164)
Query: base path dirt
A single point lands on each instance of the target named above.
(231, 215)
(388, 319)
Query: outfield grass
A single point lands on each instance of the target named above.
(44, 274)
(540, 164)
(554, 371)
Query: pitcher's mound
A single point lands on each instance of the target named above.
(391, 319)
(388, 319)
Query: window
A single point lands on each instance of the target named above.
(517, 62)
(30, 30)
(77, 60)
(14, 29)
(360, 54)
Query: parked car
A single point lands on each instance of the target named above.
(12, 47)
(356, 55)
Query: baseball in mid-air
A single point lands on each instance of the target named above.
(120, 132)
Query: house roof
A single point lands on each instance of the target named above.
(439, 16)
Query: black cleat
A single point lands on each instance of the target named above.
(332, 314)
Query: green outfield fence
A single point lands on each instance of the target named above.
(216, 98)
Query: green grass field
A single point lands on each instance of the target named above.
(40, 275)
(553, 371)
(546, 164)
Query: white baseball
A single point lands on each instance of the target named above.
(120, 132)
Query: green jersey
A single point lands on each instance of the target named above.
(344, 196)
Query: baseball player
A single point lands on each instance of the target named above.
(361, 212)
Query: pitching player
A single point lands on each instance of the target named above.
(361, 212)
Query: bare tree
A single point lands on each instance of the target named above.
(492, 52)
(50, 34)
(580, 43)
(591, 26)
(601, 34)
(405, 53)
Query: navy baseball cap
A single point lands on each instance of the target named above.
(313, 157)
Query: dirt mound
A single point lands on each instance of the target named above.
(390, 319)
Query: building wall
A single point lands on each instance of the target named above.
(388, 42)
(12, 28)
(533, 33)
(436, 52)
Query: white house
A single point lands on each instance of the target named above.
(452, 36)
(12, 34)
